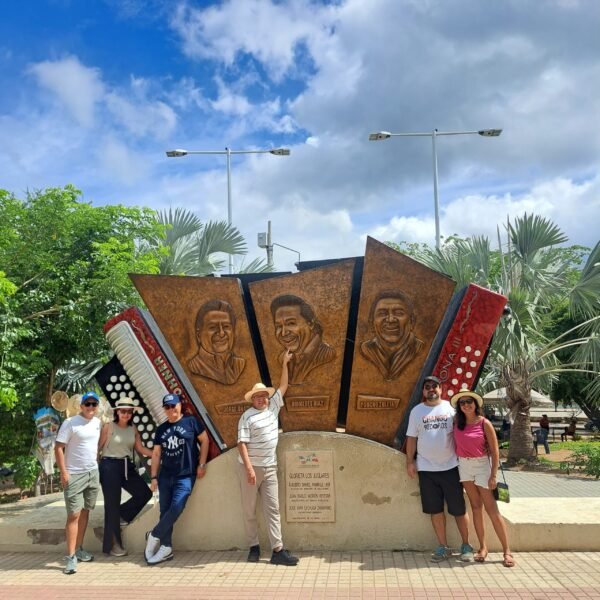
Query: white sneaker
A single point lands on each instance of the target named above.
(164, 553)
(152, 546)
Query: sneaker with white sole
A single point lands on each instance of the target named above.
(83, 555)
(152, 546)
(467, 553)
(441, 553)
(164, 553)
(70, 565)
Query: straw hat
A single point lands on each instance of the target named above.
(126, 402)
(466, 394)
(74, 405)
(59, 401)
(259, 387)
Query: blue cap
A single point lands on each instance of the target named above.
(171, 400)
(88, 396)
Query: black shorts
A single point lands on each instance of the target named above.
(437, 486)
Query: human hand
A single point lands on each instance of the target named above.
(411, 469)
(200, 472)
(64, 479)
(492, 482)
(251, 476)
(153, 485)
(287, 356)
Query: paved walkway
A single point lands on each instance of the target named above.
(326, 575)
(524, 484)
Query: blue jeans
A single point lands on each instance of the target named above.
(173, 496)
(544, 439)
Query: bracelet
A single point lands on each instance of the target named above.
(153, 477)
(202, 466)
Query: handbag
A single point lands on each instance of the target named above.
(501, 492)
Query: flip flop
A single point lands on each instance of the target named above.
(481, 555)
(508, 561)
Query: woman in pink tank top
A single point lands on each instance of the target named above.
(478, 461)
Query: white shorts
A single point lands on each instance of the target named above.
(475, 469)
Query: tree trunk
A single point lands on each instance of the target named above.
(521, 440)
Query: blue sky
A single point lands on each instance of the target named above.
(92, 92)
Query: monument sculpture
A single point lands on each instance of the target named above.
(215, 335)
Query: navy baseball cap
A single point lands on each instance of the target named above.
(171, 400)
(90, 396)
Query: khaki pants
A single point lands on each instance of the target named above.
(267, 487)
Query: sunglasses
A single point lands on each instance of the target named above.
(432, 386)
(466, 401)
(90, 404)
(126, 411)
(169, 406)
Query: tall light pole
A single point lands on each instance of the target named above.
(384, 135)
(228, 152)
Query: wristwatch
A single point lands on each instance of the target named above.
(202, 465)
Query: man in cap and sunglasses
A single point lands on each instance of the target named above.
(176, 464)
(258, 433)
(76, 452)
(430, 453)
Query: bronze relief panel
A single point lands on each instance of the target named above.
(204, 321)
(402, 303)
(306, 313)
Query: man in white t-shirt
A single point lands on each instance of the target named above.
(76, 452)
(430, 453)
(258, 433)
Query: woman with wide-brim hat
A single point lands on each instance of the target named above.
(118, 440)
(478, 460)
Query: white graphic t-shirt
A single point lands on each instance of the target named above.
(80, 436)
(432, 426)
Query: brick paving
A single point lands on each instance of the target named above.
(320, 575)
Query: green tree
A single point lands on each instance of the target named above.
(65, 265)
(536, 273)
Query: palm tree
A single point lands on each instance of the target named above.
(535, 274)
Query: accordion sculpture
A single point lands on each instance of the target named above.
(145, 370)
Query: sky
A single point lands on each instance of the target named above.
(93, 92)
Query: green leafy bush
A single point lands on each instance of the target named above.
(584, 459)
(27, 469)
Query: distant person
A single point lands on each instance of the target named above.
(544, 424)
(298, 330)
(176, 464)
(570, 430)
(118, 441)
(505, 429)
(394, 344)
(215, 336)
(478, 462)
(430, 454)
(76, 453)
(258, 433)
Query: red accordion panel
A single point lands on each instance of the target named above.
(468, 340)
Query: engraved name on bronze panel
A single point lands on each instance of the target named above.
(402, 303)
(204, 321)
(306, 313)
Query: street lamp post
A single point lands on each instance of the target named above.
(384, 135)
(228, 152)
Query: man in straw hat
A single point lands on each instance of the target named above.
(430, 453)
(76, 452)
(258, 432)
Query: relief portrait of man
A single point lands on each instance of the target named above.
(298, 330)
(394, 345)
(215, 336)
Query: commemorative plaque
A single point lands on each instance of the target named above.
(309, 486)
(204, 321)
(402, 303)
(306, 313)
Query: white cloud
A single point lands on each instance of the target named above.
(269, 31)
(125, 165)
(78, 87)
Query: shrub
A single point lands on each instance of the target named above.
(27, 469)
(584, 459)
